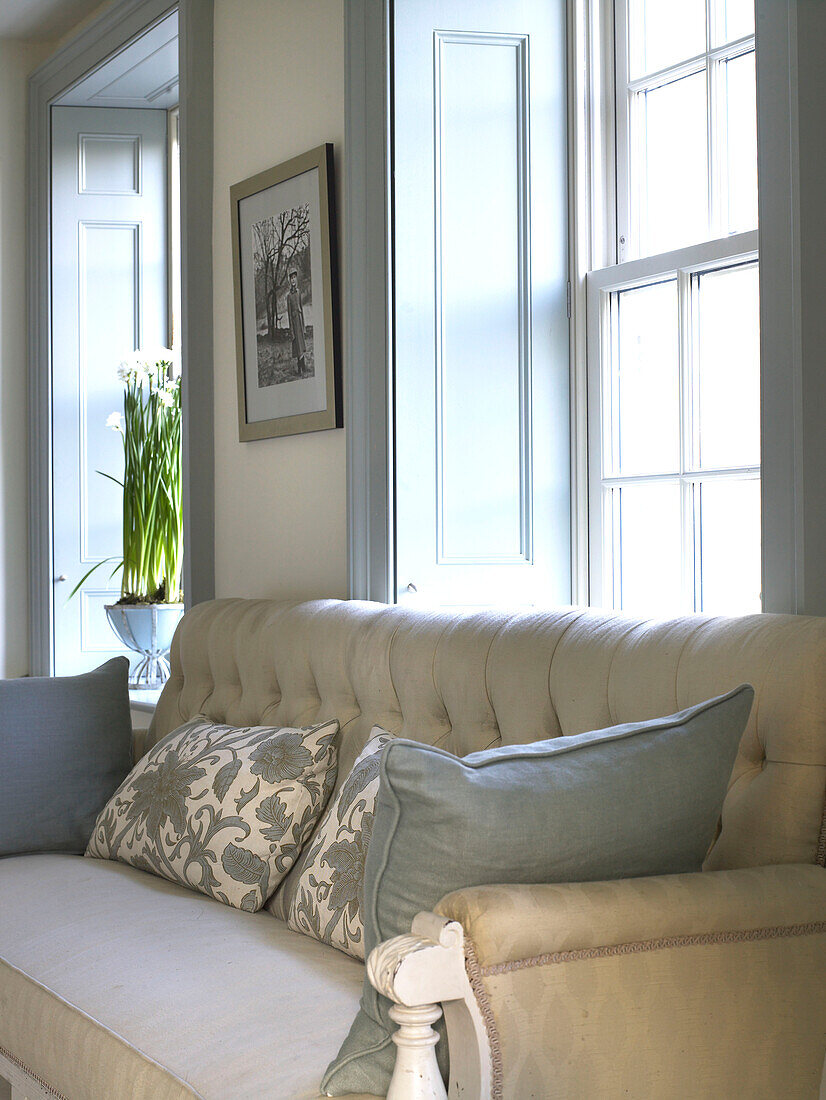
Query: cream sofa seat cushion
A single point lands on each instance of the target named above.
(117, 984)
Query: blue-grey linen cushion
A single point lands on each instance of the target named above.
(637, 799)
(65, 746)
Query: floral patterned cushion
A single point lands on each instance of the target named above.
(323, 897)
(220, 809)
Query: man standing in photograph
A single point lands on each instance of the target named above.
(295, 313)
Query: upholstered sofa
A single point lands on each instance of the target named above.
(115, 984)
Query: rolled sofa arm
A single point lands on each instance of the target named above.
(702, 985)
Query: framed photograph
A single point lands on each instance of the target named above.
(286, 299)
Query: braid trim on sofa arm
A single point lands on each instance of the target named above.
(475, 977)
(665, 943)
(820, 855)
(24, 1081)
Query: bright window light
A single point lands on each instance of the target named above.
(674, 328)
(680, 442)
(686, 123)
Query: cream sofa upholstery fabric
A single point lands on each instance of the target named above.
(701, 986)
(507, 923)
(470, 682)
(118, 985)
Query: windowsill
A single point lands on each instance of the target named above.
(144, 699)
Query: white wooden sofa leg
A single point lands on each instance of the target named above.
(416, 1075)
(418, 972)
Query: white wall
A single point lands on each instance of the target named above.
(280, 504)
(17, 59)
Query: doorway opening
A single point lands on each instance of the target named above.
(115, 253)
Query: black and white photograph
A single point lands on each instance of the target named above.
(283, 296)
(286, 299)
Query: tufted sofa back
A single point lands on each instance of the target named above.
(471, 681)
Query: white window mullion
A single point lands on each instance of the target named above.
(711, 10)
(695, 540)
(622, 108)
(613, 581)
(714, 150)
(690, 318)
(718, 123)
(687, 441)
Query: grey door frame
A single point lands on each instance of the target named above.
(368, 333)
(105, 35)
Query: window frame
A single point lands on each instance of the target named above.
(711, 60)
(599, 147)
(684, 264)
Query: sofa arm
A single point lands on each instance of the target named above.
(701, 985)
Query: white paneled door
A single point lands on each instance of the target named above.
(481, 325)
(109, 297)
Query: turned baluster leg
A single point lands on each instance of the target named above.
(417, 971)
(416, 1076)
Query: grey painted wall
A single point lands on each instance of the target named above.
(811, 110)
(791, 102)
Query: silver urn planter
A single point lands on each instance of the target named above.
(146, 628)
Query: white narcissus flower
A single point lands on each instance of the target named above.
(165, 398)
(150, 357)
(141, 365)
(113, 421)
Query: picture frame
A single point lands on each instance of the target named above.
(287, 326)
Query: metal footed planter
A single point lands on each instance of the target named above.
(147, 628)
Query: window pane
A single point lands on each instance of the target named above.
(730, 546)
(646, 383)
(673, 202)
(736, 20)
(661, 33)
(742, 143)
(727, 380)
(648, 574)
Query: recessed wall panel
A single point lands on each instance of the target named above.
(109, 256)
(482, 298)
(109, 164)
(96, 634)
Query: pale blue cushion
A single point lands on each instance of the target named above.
(65, 746)
(636, 799)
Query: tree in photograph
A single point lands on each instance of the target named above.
(277, 241)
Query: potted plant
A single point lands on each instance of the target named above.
(145, 616)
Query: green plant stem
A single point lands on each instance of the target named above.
(152, 482)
